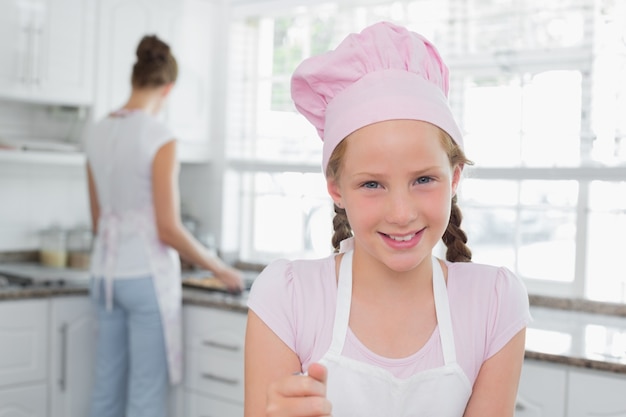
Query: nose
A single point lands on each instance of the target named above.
(401, 208)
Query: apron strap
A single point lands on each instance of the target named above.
(442, 309)
(344, 301)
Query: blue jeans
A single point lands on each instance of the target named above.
(131, 375)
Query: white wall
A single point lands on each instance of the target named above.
(35, 196)
(199, 191)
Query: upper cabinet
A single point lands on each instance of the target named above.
(188, 26)
(47, 49)
(191, 102)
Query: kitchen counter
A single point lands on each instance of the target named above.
(580, 334)
(55, 282)
(576, 338)
(190, 296)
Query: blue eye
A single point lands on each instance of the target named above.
(370, 184)
(423, 180)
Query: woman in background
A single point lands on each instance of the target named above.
(133, 188)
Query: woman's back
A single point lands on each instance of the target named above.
(120, 150)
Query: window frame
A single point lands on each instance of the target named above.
(461, 65)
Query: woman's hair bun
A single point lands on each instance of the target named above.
(152, 49)
(155, 66)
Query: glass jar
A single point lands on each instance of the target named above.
(79, 242)
(52, 251)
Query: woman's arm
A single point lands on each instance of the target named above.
(94, 204)
(169, 225)
(273, 384)
(495, 389)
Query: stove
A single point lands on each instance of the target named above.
(34, 275)
(13, 281)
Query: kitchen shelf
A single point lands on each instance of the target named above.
(42, 157)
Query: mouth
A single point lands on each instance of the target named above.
(403, 240)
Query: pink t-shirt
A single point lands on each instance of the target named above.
(296, 299)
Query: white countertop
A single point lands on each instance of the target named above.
(586, 338)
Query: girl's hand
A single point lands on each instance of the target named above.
(300, 395)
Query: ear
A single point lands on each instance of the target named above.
(166, 89)
(456, 178)
(334, 191)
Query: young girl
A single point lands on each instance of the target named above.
(133, 188)
(383, 328)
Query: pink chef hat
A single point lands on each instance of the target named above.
(383, 73)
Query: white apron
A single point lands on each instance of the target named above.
(360, 389)
(165, 271)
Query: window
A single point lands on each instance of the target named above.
(538, 88)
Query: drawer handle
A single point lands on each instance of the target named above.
(224, 346)
(213, 377)
(63, 362)
(521, 404)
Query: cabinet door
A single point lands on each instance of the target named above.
(48, 45)
(24, 401)
(596, 394)
(122, 25)
(66, 61)
(72, 356)
(205, 406)
(189, 108)
(214, 342)
(15, 44)
(541, 391)
(23, 341)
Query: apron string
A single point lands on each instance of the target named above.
(442, 309)
(344, 301)
(110, 246)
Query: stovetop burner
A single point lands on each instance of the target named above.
(9, 280)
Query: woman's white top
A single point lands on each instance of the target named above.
(120, 151)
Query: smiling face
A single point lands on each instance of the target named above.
(396, 185)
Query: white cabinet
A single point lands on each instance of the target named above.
(47, 50)
(542, 390)
(190, 106)
(188, 26)
(72, 356)
(24, 401)
(205, 406)
(46, 357)
(596, 394)
(554, 390)
(213, 382)
(23, 358)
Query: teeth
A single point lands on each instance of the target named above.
(402, 238)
